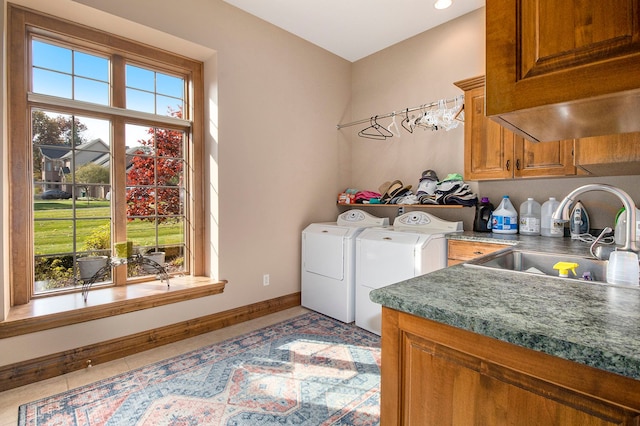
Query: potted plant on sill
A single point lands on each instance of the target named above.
(155, 256)
(98, 242)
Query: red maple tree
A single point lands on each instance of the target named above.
(154, 178)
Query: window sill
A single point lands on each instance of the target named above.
(58, 311)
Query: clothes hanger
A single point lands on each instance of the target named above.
(408, 127)
(394, 124)
(460, 114)
(383, 131)
(374, 131)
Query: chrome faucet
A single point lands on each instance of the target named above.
(562, 212)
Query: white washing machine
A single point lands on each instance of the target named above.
(328, 263)
(413, 246)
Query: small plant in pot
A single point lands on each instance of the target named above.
(155, 256)
(98, 242)
(89, 265)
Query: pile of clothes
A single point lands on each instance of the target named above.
(452, 190)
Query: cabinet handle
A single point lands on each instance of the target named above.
(508, 165)
(518, 164)
(478, 252)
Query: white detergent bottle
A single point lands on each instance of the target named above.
(530, 215)
(505, 218)
(548, 226)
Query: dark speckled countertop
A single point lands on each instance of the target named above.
(589, 323)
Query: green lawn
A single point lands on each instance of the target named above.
(54, 227)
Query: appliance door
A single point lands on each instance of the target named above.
(382, 258)
(385, 257)
(323, 250)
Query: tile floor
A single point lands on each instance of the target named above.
(10, 400)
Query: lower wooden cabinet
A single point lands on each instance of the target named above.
(461, 251)
(434, 374)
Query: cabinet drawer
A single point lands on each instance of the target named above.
(460, 251)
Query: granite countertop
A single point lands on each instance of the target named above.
(589, 323)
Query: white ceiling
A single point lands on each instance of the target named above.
(354, 29)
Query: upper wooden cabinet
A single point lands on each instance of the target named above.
(493, 152)
(563, 69)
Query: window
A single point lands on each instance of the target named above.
(107, 153)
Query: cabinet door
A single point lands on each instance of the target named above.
(543, 159)
(439, 375)
(572, 65)
(488, 148)
(455, 388)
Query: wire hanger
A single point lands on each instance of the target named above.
(408, 127)
(375, 131)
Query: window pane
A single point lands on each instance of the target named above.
(150, 236)
(170, 202)
(155, 193)
(53, 272)
(140, 101)
(168, 106)
(53, 72)
(154, 92)
(91, 91)
(91, 66)
(170, 86)
(140, 78)
(49, 56)
(54, 234)
(72, 218)
(51, 83)
(93, 236)
(171, 233)
(169, 143)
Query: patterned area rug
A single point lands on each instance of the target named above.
(310, 370)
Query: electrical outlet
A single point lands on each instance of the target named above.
(265, 279)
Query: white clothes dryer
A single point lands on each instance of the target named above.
(328, 263)
(413, 246)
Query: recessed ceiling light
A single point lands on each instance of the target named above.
(442, 4)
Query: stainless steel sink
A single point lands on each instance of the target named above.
(536, 263)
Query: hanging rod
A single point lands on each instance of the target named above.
(394, 113)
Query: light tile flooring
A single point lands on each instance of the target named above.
(10, 400)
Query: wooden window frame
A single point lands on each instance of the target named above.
(24, 22)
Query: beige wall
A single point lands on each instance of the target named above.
(415, 72)
(423, 69)
(272, 150)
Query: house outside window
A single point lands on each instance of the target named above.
(112, 144)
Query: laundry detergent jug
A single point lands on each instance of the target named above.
(505, 218)
(482, 221)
